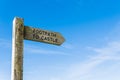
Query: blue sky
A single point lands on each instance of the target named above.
(91, 29)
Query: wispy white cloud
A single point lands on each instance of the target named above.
(110, 52)
(81, 70)
(87, 69)
(68, 46)
(48, 52)
(38, 50)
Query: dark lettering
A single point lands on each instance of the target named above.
(34, 36)
(45, 33)
(37, 36)
(56, 40)
(42, 37)
(40, 32)
(48, 34)
(53, 34)
(33, 30)
(45, 38)
(51, 39)
(48, 38)
(36, 31)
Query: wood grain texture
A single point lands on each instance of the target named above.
(45, 36)
(17, 49)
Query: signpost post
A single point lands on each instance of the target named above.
(21, 32)
(17, 49)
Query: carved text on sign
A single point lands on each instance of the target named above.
(39, 35)
(44, 36)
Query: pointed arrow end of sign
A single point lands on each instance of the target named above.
(61, 39)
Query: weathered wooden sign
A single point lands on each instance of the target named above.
(45, 36)
(21, 32)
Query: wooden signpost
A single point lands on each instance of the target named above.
(21, 32)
